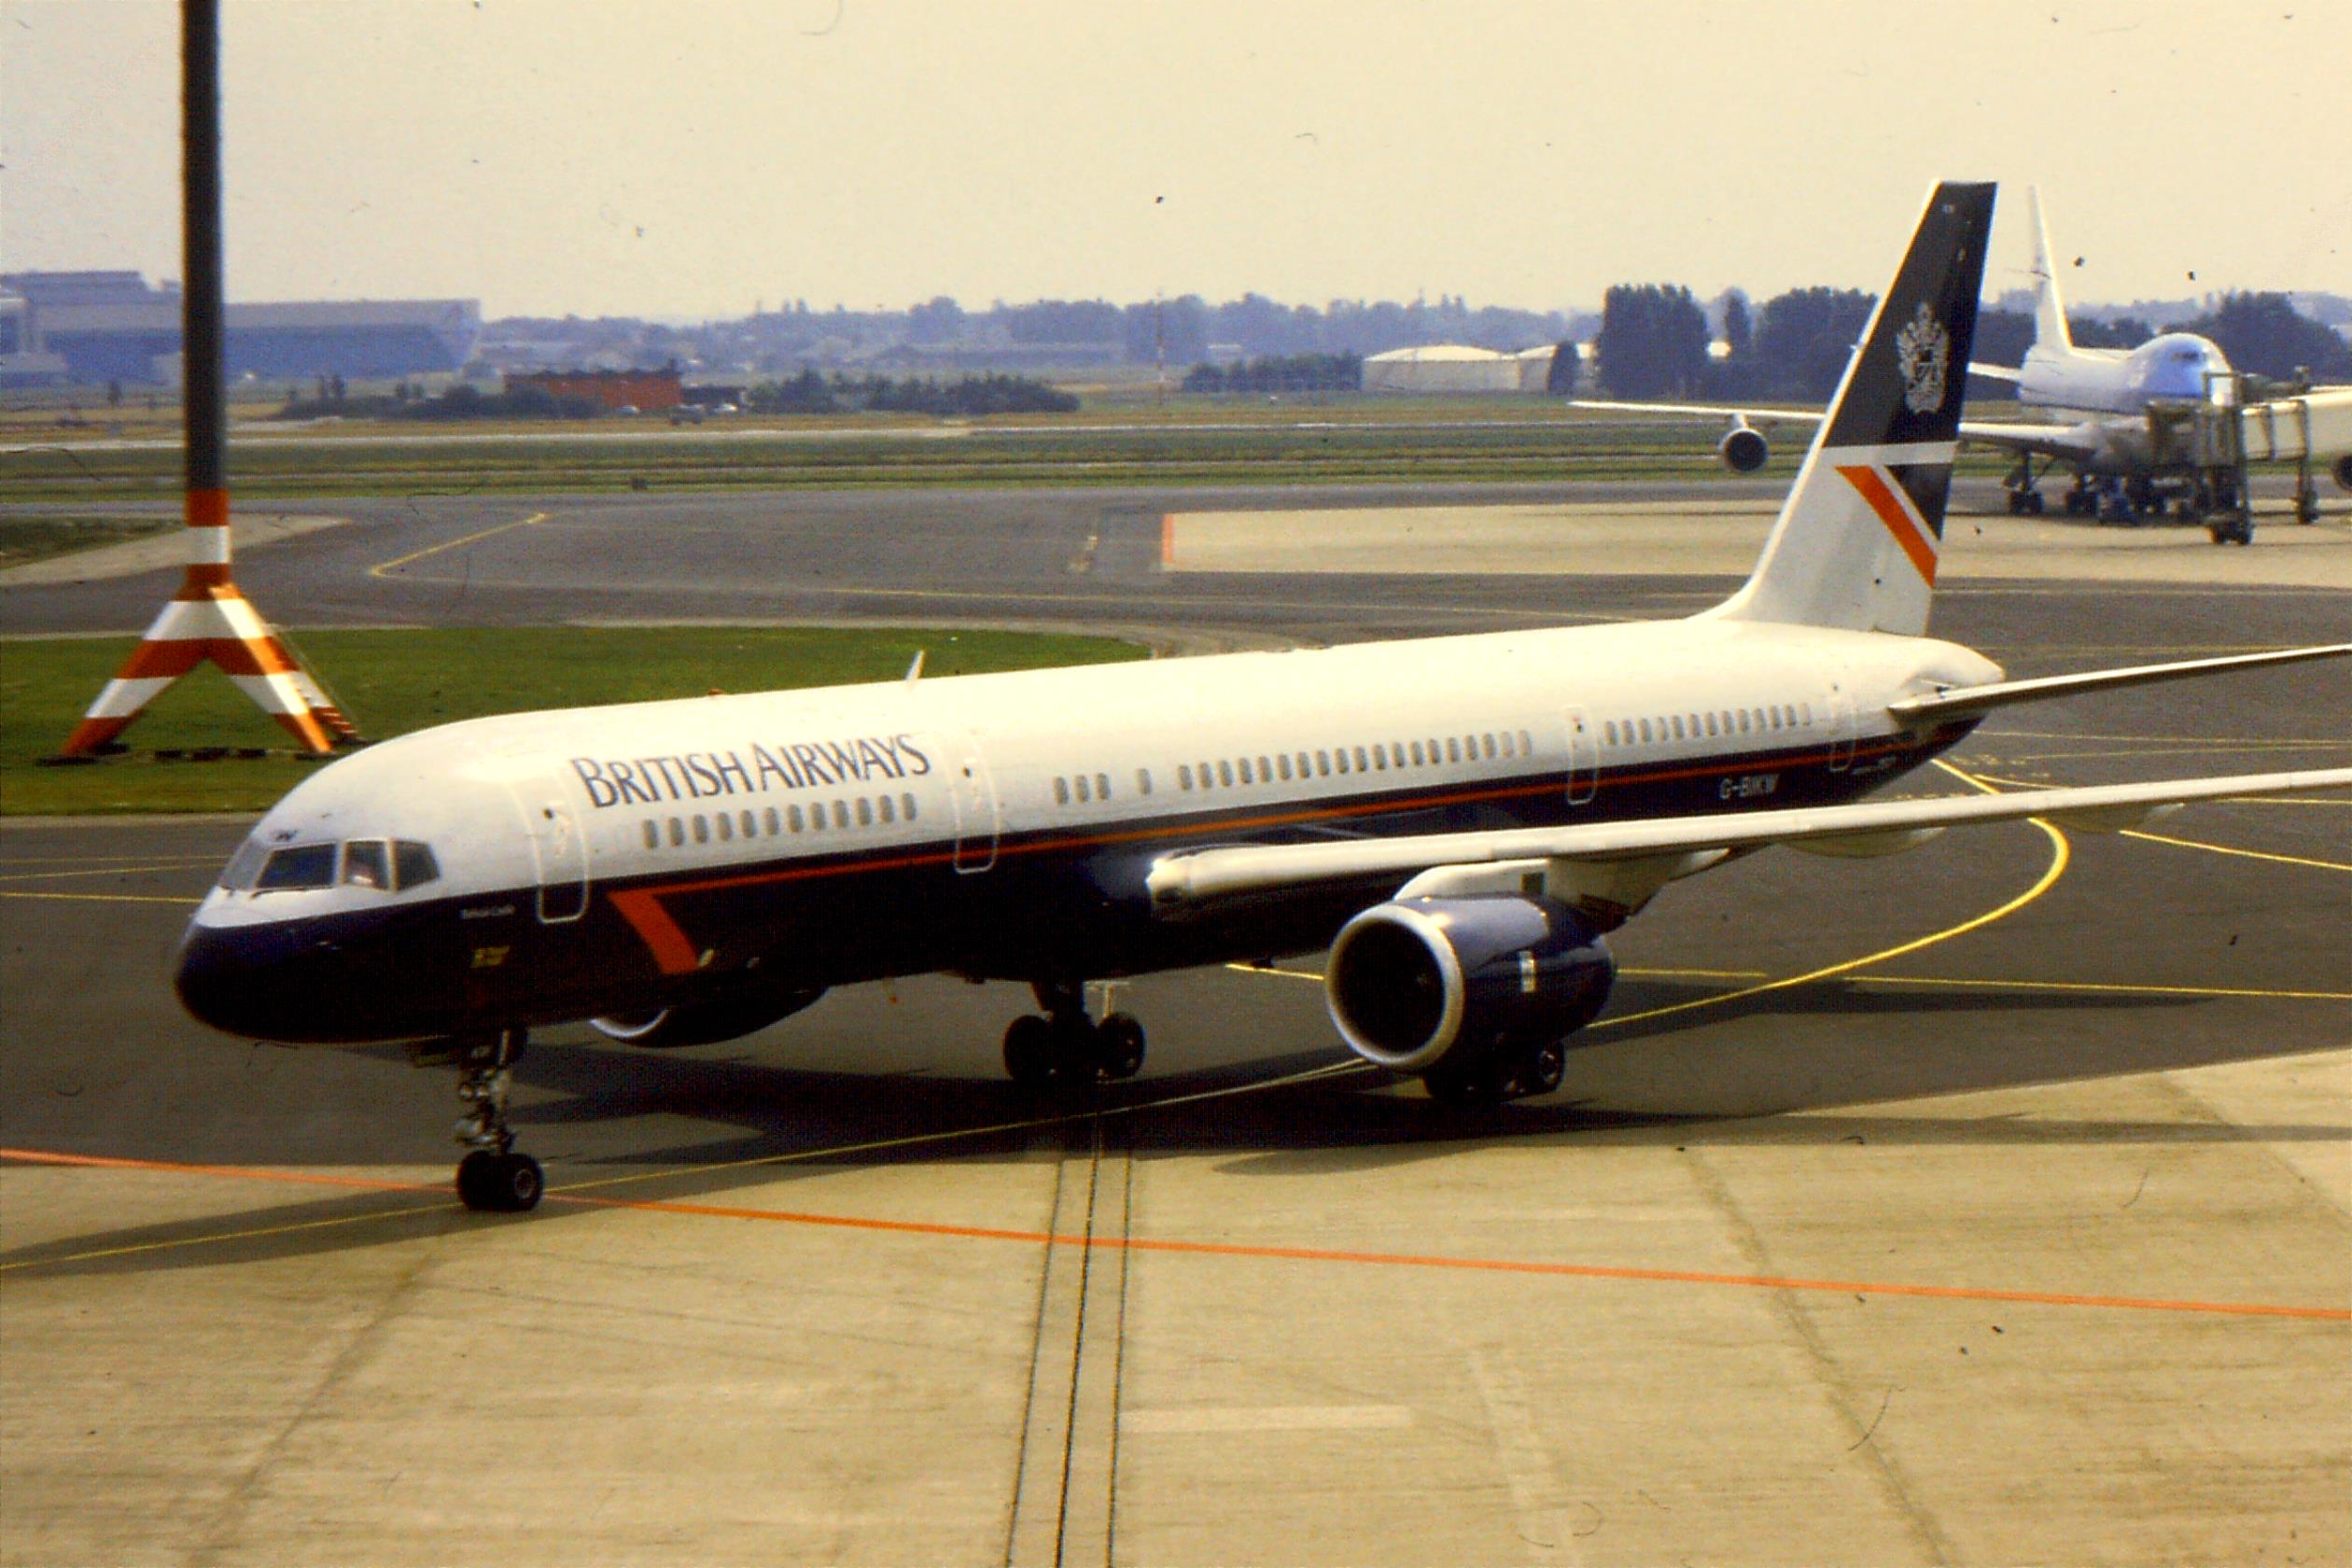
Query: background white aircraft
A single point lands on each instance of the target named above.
(1458, 820)
(2120, 419)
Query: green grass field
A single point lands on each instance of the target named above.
(394, 681)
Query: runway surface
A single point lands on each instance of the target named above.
(1990, 1203)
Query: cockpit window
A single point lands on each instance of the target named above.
(368, 863)
(243, 865)
(304, 865)
(415, 863)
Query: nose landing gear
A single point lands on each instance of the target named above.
(1066, 1045)
(493, 1178)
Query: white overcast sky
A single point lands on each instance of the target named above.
(694, 156)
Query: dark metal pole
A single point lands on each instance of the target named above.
(203, 375)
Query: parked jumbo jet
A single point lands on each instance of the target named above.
(1460, 821)
(2095, 406)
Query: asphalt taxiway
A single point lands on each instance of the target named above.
(1989, 1203)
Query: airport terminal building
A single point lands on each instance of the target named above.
(88, 329)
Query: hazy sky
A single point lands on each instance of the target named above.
(694, 156)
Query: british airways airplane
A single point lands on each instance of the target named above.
(1460, 822)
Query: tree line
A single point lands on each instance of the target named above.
(1654, 341)
(967, 397)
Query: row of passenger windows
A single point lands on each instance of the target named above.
(774, 822)
(1699, 726)
(1376, 757)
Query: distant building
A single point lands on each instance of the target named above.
(1442, 368)
(642, 390)
(98, 327)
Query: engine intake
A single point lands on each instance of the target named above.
(1744, 449)
(704, 1023)
(1423, 982)
(2341, 469)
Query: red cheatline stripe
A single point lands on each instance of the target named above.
(1897, 519)
(1268, 1253)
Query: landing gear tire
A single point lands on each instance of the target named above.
(1478, 1087)
(1540, 1069)
(1029, 1057)
(492, 1183)
(1119, 1045)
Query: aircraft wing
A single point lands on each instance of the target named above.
(2000, 694)
(1864, 827)
(1707, 411)
(2045, 441)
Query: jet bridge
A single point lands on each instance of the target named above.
(2216, 439)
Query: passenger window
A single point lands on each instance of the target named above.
(413, 863)
(653, 834)
(1306, 765)
(1487, 743)
(1453, 748)
(1086, 791)
(1364, 763)
(889, 811)
(1526, 744)
(1343, 762)
(726, 827)
(792, 818)
(1710, 723)
(1224, 774)
(678, 830)
(1417, 753)
(1142, 781)
(1322, 764)
(865, 811)
(841, 814)
(1102, 786)
(306, 865)
(1380, 756)
(1183, 776)
(1266, 770)
(702, 828)
(1061, 791)
(907, 803)
(367, 863)
(774, 824)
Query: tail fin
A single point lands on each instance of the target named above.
(1856, 542)
(2050, 311)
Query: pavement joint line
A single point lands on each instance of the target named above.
(1250, 1251)
(2229, 850)
(100, 898)
(100, 870)
(383, 567)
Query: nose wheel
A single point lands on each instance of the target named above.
(1066, 1045)
(493, 1178)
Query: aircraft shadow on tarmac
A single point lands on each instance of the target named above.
(1666, 1081)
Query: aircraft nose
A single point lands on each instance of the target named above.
(226, 979)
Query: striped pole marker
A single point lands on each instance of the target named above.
(209, 622)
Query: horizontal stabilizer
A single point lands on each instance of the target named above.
(1995, 372)
(1189, 876)
(1983, 699)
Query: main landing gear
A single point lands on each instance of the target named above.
(1066, 1045)
(1512, 1072)
(493, 1178)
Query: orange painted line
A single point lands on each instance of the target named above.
(1268, 1253)
(1898, 518)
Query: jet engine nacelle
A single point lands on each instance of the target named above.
(704, 1023)
(1744, 449)
(1423, 982)
(2342, 471)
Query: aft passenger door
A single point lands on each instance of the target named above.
(1584, 758)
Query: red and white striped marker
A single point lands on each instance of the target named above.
(209, 620)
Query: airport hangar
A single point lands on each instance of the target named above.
(1987, 1204)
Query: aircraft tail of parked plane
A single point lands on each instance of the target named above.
(1458, 822)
